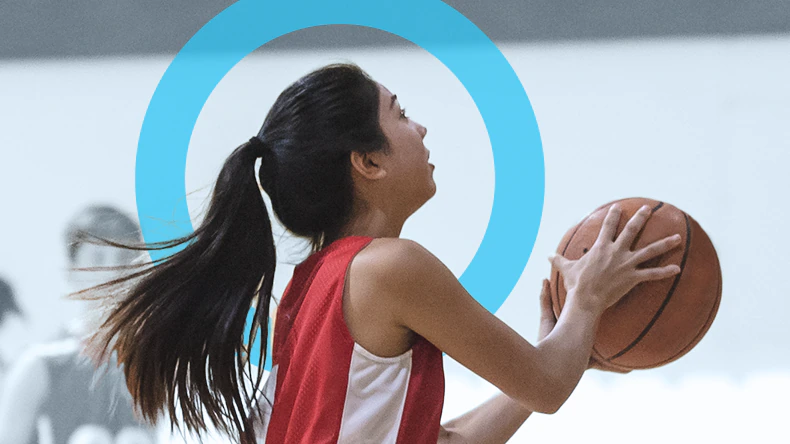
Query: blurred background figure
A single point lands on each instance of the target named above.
(12, 328)
(54, 394)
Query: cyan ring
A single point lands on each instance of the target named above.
(433, 25)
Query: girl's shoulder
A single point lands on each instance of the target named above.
(392, 263)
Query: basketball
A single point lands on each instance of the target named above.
(657, 322)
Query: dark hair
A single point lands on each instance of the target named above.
(8, 303)
(178, 327)
(99, 222)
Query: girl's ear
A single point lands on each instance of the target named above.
(368, 165)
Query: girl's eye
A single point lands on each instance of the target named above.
(403, 113)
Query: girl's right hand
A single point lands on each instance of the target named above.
(609, 270)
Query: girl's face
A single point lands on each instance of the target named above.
(408, 170)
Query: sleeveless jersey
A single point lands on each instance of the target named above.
(326, 388)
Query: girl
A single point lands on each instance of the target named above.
(361, 327)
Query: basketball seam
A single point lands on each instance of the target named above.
(703, 331)
(666, 300)
(636, 240)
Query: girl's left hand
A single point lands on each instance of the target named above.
(548, 321)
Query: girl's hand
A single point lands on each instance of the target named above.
(548, 321)
(609, 270)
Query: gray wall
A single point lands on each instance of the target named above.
(47, 28)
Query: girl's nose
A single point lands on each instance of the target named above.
(422, 130)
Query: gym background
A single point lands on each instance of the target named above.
(685, 102)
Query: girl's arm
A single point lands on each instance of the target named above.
(498, 419)
(494, 421)
(422, 295)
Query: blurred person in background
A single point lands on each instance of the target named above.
(12, 329)
(54, 394)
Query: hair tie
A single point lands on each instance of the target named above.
(258, 147)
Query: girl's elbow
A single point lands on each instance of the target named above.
(553, 399)
(552, 406)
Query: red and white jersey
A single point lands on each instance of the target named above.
(326, 388)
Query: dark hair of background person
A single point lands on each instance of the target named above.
(8, 304)
(99, 221)
(178, 324)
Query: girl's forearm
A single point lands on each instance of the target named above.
(564, 355)
(565, 352)
(494, 421)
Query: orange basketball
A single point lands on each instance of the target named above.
(657, 322)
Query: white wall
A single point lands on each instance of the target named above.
(702, 124)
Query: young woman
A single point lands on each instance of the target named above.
(52, 394)
(361, 327)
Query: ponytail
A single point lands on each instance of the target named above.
(178, 329)
(177, 324)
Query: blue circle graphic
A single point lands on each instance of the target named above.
(433, 25)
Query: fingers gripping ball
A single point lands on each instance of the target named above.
(658, 321)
